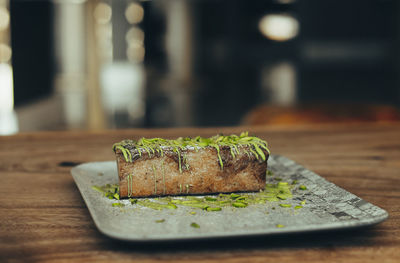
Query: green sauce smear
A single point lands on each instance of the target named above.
(273, 192)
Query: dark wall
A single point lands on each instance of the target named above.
(31, 41)
(355, 51)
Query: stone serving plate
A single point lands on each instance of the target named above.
(327, 207)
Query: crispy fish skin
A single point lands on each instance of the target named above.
(193, 171)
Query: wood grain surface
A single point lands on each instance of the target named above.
(44, 219)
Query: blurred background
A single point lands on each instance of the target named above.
(103, 64)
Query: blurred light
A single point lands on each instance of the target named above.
(103, 13)
(136, 110)
(5, 53)
(279, 27)
(279, 83)
(134, 13)
(122, 86)
(285, 2)
(6, 88)
(135, 53)
(8, 123)
(104, 31)
(135, 36)
(4, 18)
(69, 1)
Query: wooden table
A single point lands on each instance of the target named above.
(43, 216)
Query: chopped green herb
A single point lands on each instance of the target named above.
(160, 221)
(298, 207)
(239, 204)
(98, 189)
(302, 187)
(118, 204)
(280, 225)
(171, 206)
(282, 196)
(281, 184)
(211, 199)
(190, 202)
(210, 209)
(195, 225)
(234, 196)
(285, 205)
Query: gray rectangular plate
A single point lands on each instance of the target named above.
(327, 207)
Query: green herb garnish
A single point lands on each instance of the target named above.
(239, 204)
(303, 187)
(257, 146)
(211, 209)
(195, 225)
(234, 196)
